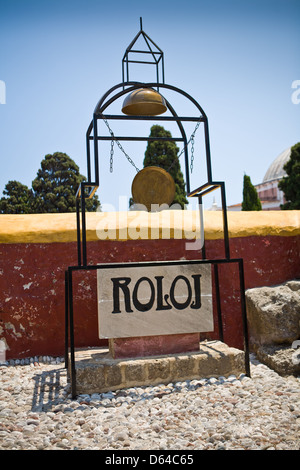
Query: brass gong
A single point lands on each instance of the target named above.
(153, 185)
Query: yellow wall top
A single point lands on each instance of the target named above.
(54, 228)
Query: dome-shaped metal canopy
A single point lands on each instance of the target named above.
(144, 102)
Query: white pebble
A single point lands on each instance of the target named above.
(216, 413)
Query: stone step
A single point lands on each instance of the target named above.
(96, 371)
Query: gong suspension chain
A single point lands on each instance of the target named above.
(113, 140)
(191, 139)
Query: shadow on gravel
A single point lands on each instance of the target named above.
(48, 389)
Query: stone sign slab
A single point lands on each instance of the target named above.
(154, 300)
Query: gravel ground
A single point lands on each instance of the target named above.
(237, 413)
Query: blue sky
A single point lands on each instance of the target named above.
(237, 58)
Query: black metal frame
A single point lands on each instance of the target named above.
(92, 135)
(88, 188)
(69, 306)
(153, 50)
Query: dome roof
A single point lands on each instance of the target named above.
(275, 170)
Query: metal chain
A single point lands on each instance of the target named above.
(192, 154)
(191, 139)
(111, 155)
(120, 147)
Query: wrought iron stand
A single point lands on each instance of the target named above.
(88, 188)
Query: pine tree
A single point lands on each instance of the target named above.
(53, 190)
(165, 155)
(56, 185)
(251, 201)
(290, 184)
(17, 199)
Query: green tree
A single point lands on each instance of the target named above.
(251, 201)
(165, 155)
(17, 199)
(56, 185)
(290, 184)
(53, 190)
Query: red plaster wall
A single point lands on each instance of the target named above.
(32, 285)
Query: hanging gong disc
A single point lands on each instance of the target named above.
(153, 185)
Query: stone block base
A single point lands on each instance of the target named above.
(97, 371)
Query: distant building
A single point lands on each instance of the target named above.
(270, 195)
(268, 192)
(214, 206)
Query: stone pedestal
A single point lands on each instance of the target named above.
(153, 345)
(154, 309)
(97, 371)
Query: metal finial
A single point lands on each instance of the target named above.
(141, 23)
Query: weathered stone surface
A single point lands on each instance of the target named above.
(97, 372)
(274, 314)
(284, 359)
(294, 285)
(158, 369)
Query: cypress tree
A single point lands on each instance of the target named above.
(165, 155)
(251, 201)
